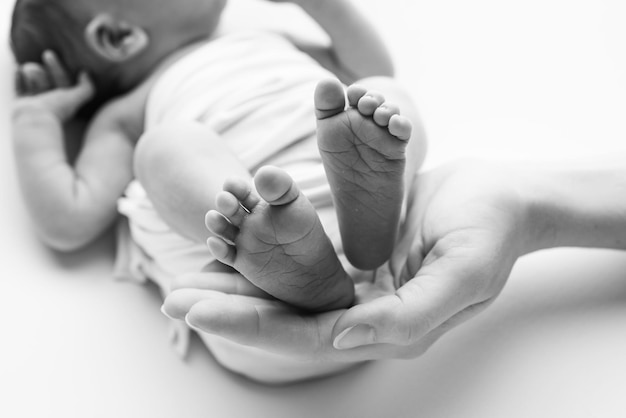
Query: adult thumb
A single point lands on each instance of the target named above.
(421, 305)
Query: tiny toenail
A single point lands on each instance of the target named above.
(244, 208)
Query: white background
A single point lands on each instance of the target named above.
(540, 79)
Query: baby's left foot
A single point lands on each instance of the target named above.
(275, 239)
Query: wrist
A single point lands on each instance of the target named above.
(538, 226)
(512, 190)
(580, 205)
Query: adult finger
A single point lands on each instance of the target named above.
(273, 327)
(57, 73)
(178, 303)
(268, 325)
(435, 295)
(406, 259)
(277, 330)
(409, 247)
(423, 345)
(232, 283)
(392, 351)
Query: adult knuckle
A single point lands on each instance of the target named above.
(412, 325)
(401, 325)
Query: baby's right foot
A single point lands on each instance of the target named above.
(275, 239)
(362, 149)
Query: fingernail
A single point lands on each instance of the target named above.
(190, 325)
(355, 336)
(165, 313)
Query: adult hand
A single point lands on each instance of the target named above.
(465, 228)
(293, 357)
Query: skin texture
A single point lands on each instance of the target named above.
(73, 203)
(449, 264)
(73, 200)
(277, 240)
(363, 150)
(279, 243)
(86, 192)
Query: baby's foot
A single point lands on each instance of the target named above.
(275, 239)
(362, 148)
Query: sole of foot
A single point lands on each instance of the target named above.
(275, 239)
(363, 151)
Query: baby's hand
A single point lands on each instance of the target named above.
(48, 87)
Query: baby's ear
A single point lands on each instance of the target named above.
(115, 40)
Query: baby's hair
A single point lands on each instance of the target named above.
(39, 25)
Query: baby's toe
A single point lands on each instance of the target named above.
(354, 93)
(384, 112)
(242, 191)
(400, 127)
(222, 251)
(329, 98)
(219, 225)
(228, 205)
(275, 186)
(368, 104)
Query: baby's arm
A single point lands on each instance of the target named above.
(356, 50)
(70, 204)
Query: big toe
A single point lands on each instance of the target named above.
(275, 186)
(329, 98)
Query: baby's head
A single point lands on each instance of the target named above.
(119, 42)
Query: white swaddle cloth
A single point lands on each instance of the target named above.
(255, 90)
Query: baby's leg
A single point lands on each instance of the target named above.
(182, 166)
(275, 239)
(364, 150)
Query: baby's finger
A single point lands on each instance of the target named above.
(67, 101)
(35, 78)
(20, 83)
(84, 89)
(55, 69)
